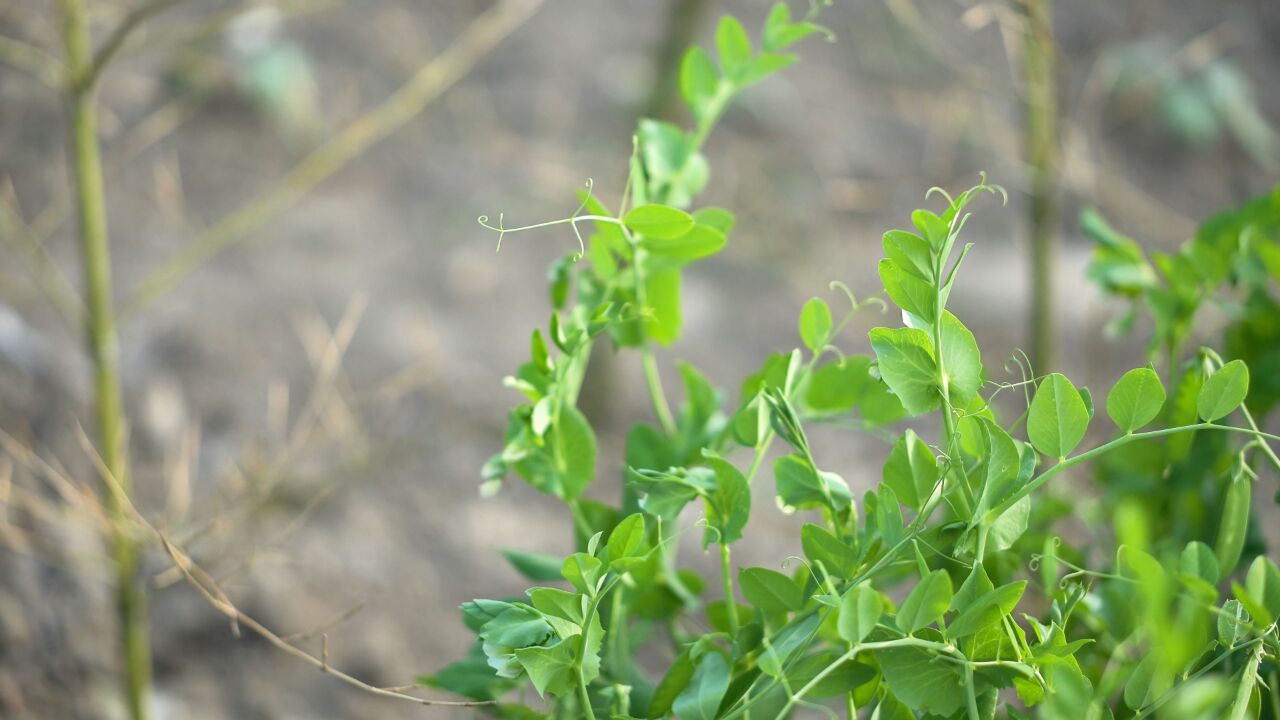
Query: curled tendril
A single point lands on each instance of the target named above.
(838, 352)
(939, 190)
(1036, 558)
(484, 223)
(572, 221)
(705, 523)
(837, 285)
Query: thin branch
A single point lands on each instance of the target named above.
(326, 627)
(116, 39)
(34, 61)
(15, 231)
(213, 594)
(433, 79)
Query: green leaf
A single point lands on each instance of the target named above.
(932, 228)
(1223, 391)
(770, 590)
(715, 217)
(764, 65)
(1003, 463)
(1262, 586)
(538, 567)
(840, 386)
(662, 296)
(1057, 419)
(908, 291)
(701, 241)
(733, 46)
(550, 668)
(889, 517)
(986, 610)
(815, 324)
(583, 571)
(905, 360)
(1234, 624)
(1136, 399)
(699, 80)
(803, 486)
(700, 699)
(1144, 685)
(911, 470)
(1199, 561)
(729, 506)
(516, 626)
(975, 586)
(821, 546)
(575, 445)
(910, 253)
(926, 603)
(626, 540)
(660, 222)
(920, 680)
(782, 647)
(1010, 526)
(672, 684)
(860, 611)
(557, 603)
(779, 31)
(471, 677)
(961, 360)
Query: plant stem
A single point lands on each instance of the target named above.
(1042, 152)
(1044, 477)
(653, 379)
(587, 711)
(970, 695)
(104, 348)
(730, 604)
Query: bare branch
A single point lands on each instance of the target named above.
(208, 588)
(116, 40)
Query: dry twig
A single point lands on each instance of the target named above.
(208, 588)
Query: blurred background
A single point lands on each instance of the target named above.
(313, 344)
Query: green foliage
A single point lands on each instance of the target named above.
(998, 617)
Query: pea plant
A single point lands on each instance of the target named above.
(917, 599)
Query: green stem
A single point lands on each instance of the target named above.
(587, 711)
(619, 644)
(852, 653)
(653, 379)
(730, 604)
(103, 342)
(1266, 448)
(1044, 477)
(580, 520)
(715, 107)
(587, 617)
(970, 694)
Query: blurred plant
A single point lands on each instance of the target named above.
(1231, 266)
(1199, 97)
(1147, 635)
